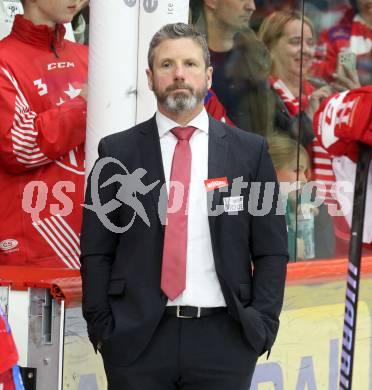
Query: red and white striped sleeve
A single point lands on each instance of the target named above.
(29, 139)
(344, 119)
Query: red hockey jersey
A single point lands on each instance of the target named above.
(340, 123)
(344, 119)
(42, 131)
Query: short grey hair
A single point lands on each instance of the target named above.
(178, 31)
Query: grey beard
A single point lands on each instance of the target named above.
(181, 102)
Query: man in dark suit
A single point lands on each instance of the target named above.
(186, 295)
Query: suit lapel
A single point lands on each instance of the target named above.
(217, 157)
(152, 161)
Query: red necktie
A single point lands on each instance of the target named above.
(173, 273)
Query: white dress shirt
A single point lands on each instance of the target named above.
(202, 286)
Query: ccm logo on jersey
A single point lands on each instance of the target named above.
(61, 65)
(9, 244)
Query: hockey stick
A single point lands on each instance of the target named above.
(355, 251)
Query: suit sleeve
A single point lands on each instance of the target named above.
(269, 255)
(98, 246)
(29, 139)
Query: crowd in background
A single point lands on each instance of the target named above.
(272, 77)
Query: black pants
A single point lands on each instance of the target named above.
(208, 353)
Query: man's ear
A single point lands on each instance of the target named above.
(210, 4)
(150, 79)
(209, 76)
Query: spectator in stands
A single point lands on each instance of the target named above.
(353, 33)
(314, 232)
(281, 32)
(241, 63)
(42, 132)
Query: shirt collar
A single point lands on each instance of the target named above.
(165, 124)
(38, 35)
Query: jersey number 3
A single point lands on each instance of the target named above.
(43, 89)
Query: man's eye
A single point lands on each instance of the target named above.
(191, 64)
(166, 65)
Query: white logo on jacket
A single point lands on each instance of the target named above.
(8, 244)
(233, 204)
(60, 65)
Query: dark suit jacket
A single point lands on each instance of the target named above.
(122, 299)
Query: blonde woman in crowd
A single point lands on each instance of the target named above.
(284, 36)
(285, 33)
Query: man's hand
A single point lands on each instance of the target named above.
(84, 92)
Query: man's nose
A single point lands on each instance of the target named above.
(179, 72)
(250, 5)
